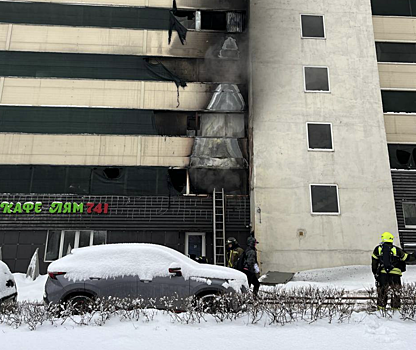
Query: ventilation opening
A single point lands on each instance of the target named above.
(112, 173)
(178, 179)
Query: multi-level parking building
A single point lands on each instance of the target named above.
(121, 118)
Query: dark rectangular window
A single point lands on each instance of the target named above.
(409, 213)
(213, 20)
(319, 136)
(89, 180)
(84, 15)
(312, 26)
(324, 199)
(393, 7)
(399, 101)
(52, 246)
(61, 243)
(396, 52)
(74, 120)
(316, 79)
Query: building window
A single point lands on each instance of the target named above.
(195, 244)
(312, 26)
(398, 101)
(396, 52)
(316, 79)
(60, 243)
(409, 214)
(231, 22)
(402, 156)
(324, 199)
(320, 137)
(393, 7)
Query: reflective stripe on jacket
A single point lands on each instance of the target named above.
(397, 253)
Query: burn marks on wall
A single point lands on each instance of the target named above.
(85, 66)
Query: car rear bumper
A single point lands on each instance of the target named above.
(9, 298)
(45, 299)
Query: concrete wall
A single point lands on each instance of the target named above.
(95, 150)
(38, 38)
(283, 168)
(397, 76)
(104, 93)
(396, 29)
(400, 128)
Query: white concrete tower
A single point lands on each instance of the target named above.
(300, 226)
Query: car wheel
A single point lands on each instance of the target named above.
(80, 304)
(209, 303)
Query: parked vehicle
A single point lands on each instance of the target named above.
(8, 290)
(136, 270)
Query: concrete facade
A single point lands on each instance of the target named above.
(108, 150)
(283, 168)
(104, 93)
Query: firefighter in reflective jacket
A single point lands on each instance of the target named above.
(388, 263)
(234, 251)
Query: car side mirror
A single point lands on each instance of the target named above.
(175, 270)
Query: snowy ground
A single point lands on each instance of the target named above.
(353, 278)
(362, 332)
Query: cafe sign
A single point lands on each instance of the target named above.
(54, 208)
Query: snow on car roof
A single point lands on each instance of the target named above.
(135, 259)
(5, 275)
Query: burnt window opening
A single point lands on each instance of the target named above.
(316, 79)
(186, 18)
(402, 156)
(192, 125)
(213, 20)
(231, 22)
(177, 179)
(409, 214)
(112, 173)
(320, 136)
(312, 26)
(324, 199)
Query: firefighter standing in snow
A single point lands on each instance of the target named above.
(388, 263)
(234, 251)
(250, 264)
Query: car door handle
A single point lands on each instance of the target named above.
(146, 281)
(95, 278)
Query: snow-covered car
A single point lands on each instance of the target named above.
(136, 270)
(8, 290)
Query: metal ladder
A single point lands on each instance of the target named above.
(218, 200)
